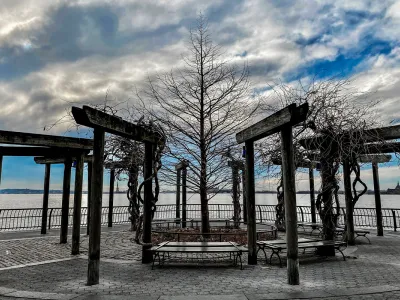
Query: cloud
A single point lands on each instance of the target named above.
(54, 54)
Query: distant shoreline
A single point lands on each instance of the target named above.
(36, 192)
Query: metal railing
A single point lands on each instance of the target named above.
(31, 218)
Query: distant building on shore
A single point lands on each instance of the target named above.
(396, 190)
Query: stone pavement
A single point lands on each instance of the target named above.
(41, 268)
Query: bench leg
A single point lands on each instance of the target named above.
(362, 235)
(239, 255)
(277, 254)
(341, 252)
(154, 259)
(265, 254)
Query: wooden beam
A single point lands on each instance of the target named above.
(289, 186)
(236, 164)
(386, 147)
(299, 164)
(76, 225)
(148, 196)
(182, 164)
(184, 193)
(59, 160)
(367, 158)
(45, 198)
(251, 204)
(1, 166)
(349, 203)
(40, 151)
(378, 205)
(312, 195)
(94, 118)
(33, 139)
(366, 136)
(65, 201)
(93, 274)
(89, 196)
(121, 164)
(290, 115)
(111, 198)
(178, 194)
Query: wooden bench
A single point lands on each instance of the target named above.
(233, 249)
(278, 246)
(358, 232)
(314, 226)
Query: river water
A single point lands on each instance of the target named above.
(35, 201)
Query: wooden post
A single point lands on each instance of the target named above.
(89, 196)
(95, 208)
(111, 198)
(178, 194)
(45, 198)
(349, 203)
(377, 192)
(76, 227)
(1, 166)
(312, 195)
(148, 196)
(251, 204)
(244, 196)
(184, 173)
(65, 200)
(236, 204)
(289, 186)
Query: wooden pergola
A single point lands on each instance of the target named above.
(30, 144)
(281, 121)
(371, 143)
(79, 165)
(101, 123)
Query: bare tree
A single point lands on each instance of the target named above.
(200, 107)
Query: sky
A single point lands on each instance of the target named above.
(58, 53)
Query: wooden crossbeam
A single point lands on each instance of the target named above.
(365, 158)
(236, 164)
(374, 158)
(302, 164)
(33, 139)
(380, 148)
(117, 164)
(181, 165)
(40, 151)
(94, 118)
(290, 115)
(366, 136)
(59, 160)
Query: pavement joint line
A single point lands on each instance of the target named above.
(37, 263)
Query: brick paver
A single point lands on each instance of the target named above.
(376, 265)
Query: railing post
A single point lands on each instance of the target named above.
(260, 211)
(219, 212)
(394, 220)
(51, 212)
(302, 214)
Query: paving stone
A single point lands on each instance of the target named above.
(375, 274)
